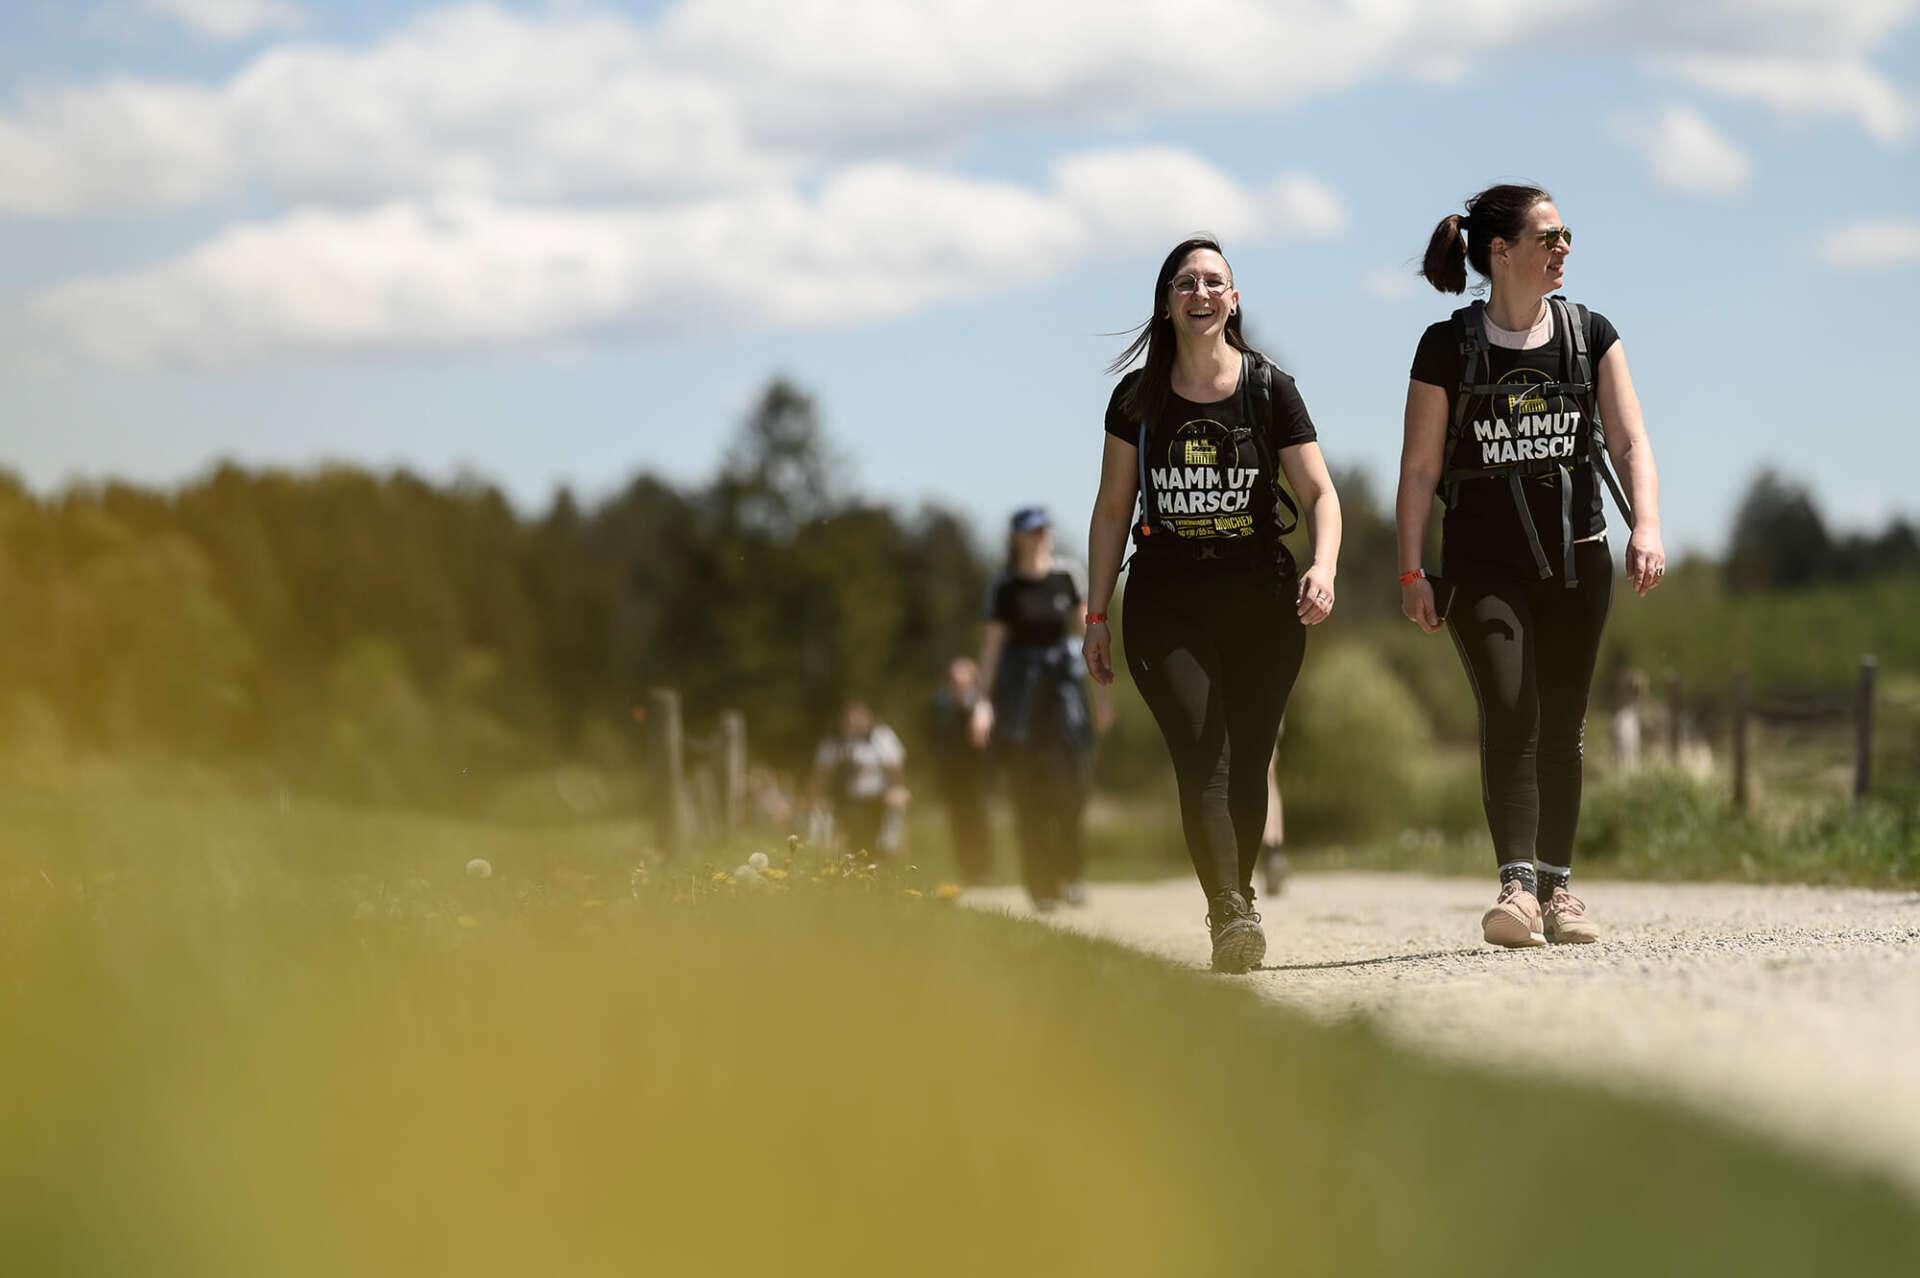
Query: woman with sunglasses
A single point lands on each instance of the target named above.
(1515, 407)
(1215, 610)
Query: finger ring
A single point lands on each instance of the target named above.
(1660, 570)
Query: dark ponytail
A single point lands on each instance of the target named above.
(1148, 397)
(1463, 239)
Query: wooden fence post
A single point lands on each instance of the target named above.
(733, 770)
(670, 764)
(1740, 740)
(1673, 718)
(1863, 729)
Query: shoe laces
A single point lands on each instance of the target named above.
(1508, 890)
(1229, 914)
(1565, 902)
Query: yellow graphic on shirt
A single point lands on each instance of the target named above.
(1204, 493)
(1536, 427)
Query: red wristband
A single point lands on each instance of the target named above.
(1096, 617)
(1408, 578)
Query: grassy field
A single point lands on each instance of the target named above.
(249, 1036)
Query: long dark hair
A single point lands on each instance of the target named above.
(1463, 238)
(1148, 398)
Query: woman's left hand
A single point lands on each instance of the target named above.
(1315, 600)
(1646, 559)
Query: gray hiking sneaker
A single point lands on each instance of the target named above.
(1238, 942)
(1566, 920)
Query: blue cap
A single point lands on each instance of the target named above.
(1030, 519)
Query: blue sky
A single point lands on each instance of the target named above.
(562, 242)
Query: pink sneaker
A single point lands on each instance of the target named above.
(1514, 920)
(1566, 920)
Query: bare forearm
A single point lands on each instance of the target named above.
(1106, 544)
(1323, 525)
(1412, 508)
(1633, 458)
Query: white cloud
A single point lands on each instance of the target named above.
(1685, 153)
(876, 241)
(1842, 88)
(729, 96)
(230, 19)
(1392, 284)
(1885, 242)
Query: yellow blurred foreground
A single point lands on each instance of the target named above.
(226, 1057)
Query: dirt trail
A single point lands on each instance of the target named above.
(1791, 1010)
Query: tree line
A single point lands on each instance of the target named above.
(384, 635)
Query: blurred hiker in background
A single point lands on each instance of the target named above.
(1217, 610)
(1274, 866)
(960, 765)
(1515, 405)
(1037, 713)
(857, 774)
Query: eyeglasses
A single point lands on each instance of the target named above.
(1549, 238)
(1188, 285)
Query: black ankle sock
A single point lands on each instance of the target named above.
(1522, 873)
(1551, 877)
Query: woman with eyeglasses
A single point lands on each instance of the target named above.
(1515, 407)
(1216, 608)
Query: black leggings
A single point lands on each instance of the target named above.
(1529, 648)
(1215, 652)
(1047, 779)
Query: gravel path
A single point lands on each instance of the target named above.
(1791, 1010)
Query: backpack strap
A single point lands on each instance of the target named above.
(1582, 371)
(1470, 328)
(1144, 526)
(1256, 378)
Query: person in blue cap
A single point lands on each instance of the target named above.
(1036, 713)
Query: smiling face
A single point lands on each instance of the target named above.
(1201, 296)
(1528, 265)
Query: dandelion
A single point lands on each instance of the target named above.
(758, 860)
(948, 891)
(479, 868)
(721, 876)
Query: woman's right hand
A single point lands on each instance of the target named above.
(1097, 647)
(1416, 601)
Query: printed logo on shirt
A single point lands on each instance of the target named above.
(1197, 496)
(1535, 427)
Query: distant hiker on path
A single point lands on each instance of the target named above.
(1037, 714)
(858, 770)
(960, 764)
(1216, 609)
(1515, 407)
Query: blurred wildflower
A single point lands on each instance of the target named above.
(948, 891)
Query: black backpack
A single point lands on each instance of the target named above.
(1256, 389)
(1590, 446)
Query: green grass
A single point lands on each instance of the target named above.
(1664, 825)
(247, 1038)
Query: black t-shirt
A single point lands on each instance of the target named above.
(1482, 534)
(1036, 610)
(1204, 468)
